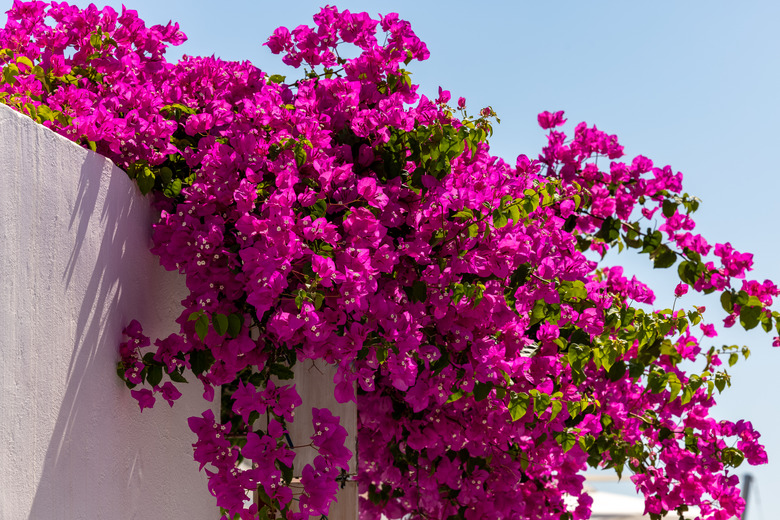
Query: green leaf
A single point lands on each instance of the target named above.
(458, 292)
(419, 291)
(201, 361)
(669, 208)
(539, 312)
(120, 371)
(281, 371)
(692, 255)
(220, 323)
(154, 375)
(96, 40)
(173, 188)
(632, 236)
(675, 386)
(499, 219)
(24, 60)
(473, 230)
(566, 440)
(518, 405)
(262, 513)
(732, 457)
(617, 371)
(479, 292)
(725, 301)
(9, 74)
(178, 106)
(145, 180)
(287, 471)
(541, 401)
(610, 229)
(652, 241)
(578, 356)
(482, 390)
(177, 377)
(166, 174)
(455, 396)
(748, 317)
(664, 258)
(319, 208)
(687, 272)
(555, 409)
(524, 461)
(514, 213)
(687, 395)
(656, 381)
(573, 290)
(202, 326)
(721, 381)
(235, 324)
(300, 154)
(45, 113)
(586, 441)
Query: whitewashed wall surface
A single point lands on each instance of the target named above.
(74, 270)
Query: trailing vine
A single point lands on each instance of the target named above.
(344, 217)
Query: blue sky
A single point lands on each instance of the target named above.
(691, 84)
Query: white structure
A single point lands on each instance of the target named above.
(614, 506)
(626, 505)
(75, 269)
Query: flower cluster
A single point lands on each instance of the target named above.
(346, 218)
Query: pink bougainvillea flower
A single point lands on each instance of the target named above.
(145, 398)
(549, 120)
(708, 330)
(169, 392)
(329, 438)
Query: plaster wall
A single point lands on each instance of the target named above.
(74, 270)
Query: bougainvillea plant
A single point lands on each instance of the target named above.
(344, 217)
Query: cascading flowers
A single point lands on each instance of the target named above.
(344, 217)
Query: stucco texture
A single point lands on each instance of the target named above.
(74, 270)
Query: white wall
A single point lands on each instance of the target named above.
(74, 270)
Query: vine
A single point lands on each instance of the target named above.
(344, 217)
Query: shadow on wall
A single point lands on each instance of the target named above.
(77, 271)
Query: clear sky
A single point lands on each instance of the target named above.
(692, 84)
